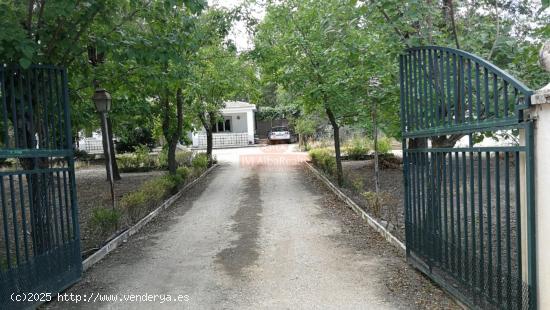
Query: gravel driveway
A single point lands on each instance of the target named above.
(258, 236)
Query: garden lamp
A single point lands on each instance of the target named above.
(102, 100)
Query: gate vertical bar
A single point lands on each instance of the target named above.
(454, 200)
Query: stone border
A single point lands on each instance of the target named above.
(364, 215)
(123, 237)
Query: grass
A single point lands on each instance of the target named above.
(105, 221)
(324, 159)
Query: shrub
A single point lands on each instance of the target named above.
(82, 155)
(384, 146)
(200, 161)
(156, 189)
(127, 162)
(135, 204)
(162, 159)
(358, 185)
(143, 157)
(184, 158)
(183, 172)
(140, 160)
(323, 159)
(151, 193)
(105, 220)
(357, 147)
(373, 201)
(376, 201)
(129, 140)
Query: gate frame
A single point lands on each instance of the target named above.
(524, 123)
(69, 249)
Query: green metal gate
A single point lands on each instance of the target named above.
(39, 234)
(469, 208)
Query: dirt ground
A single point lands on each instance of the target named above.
(405, 283)
(93, 191)
(391, 182)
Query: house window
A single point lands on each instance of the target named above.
(223, 126)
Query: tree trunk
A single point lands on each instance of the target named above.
(174, 138)
(444, 141)
(336, 130)
(210, 138)
(172, 164)
(376, 163)
(209, 146)
(208, 123)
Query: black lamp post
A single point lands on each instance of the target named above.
(102, 100)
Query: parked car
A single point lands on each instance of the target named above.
(277, 134)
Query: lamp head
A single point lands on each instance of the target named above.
(102, 100)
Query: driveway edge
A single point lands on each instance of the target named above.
(123, 237)
(364, 215)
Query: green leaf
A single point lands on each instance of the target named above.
(25, 63)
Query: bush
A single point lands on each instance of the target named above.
(357, 148)
(105, 220)
(126, 162)
(143, 157)
(82, 155)
(200, 161)
(184, 173)
(183, 158)
(384, 146)
(135, 205)
(130, 140)
(140, 160)
(323, 159)
(358, 185)
(162, 159)
(377, 201)
(151, 193)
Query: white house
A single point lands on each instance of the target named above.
(236, 129)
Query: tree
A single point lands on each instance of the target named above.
(158, 48)
(323, 53)
(305, 127)
(507, 33)
(218, 75)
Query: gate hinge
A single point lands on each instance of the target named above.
(532, 114)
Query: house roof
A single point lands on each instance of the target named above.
(238, 106)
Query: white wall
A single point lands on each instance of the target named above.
(239, 125)
(245, 124)
(541, 110)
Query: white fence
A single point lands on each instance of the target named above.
(91, 146)
(223, 139)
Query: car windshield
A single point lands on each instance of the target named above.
(279, 129)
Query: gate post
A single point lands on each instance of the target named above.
(540, 110)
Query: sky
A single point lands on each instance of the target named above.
(239, 35)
